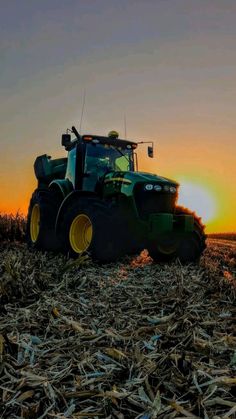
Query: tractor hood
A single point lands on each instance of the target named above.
(149, 177)
(137, 177)
(125, 182)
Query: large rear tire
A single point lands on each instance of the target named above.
(40, 231)
(89, 225)
(187, 249)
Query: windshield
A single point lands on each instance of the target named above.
(102, 158)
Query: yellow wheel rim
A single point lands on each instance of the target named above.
(80, 234)
(34, 223)
(167, 250)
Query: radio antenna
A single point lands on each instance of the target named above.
(125, 126)
(82, 112)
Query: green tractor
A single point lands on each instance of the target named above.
(95, 200)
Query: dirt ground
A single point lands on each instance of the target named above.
(127, 340)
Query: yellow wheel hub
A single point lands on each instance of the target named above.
(166, 250)
(34, 223)
(80, 234)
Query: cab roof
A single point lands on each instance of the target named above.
(117, 142)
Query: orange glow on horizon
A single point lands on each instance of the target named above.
(205, 187)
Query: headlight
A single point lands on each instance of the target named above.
(166, 188)
(148, 187)
(173, 189)
(157, 188)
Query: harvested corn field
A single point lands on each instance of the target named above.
(129, 340)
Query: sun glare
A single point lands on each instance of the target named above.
(199, 199)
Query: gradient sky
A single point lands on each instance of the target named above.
(169, 65)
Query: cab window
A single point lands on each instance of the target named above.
(122, 164)
(70, 172)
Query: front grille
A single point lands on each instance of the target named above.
(150, 202)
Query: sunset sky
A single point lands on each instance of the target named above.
(168, 65)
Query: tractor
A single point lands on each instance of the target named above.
(95, 200)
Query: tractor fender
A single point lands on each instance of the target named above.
(66, 203)
(63, 186)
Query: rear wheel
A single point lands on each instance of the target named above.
(188, 249)
(41, 219)
(89, 225)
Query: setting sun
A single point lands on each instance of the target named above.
(198, 198)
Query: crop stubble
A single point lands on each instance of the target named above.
(126, 340)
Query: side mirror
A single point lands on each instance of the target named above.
(65, 140)
(150, 152)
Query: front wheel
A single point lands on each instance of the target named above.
(164, 250)
(187, 249)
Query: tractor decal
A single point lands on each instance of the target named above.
(118, 179)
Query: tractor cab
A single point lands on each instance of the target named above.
(91, 157)
(104, 155)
